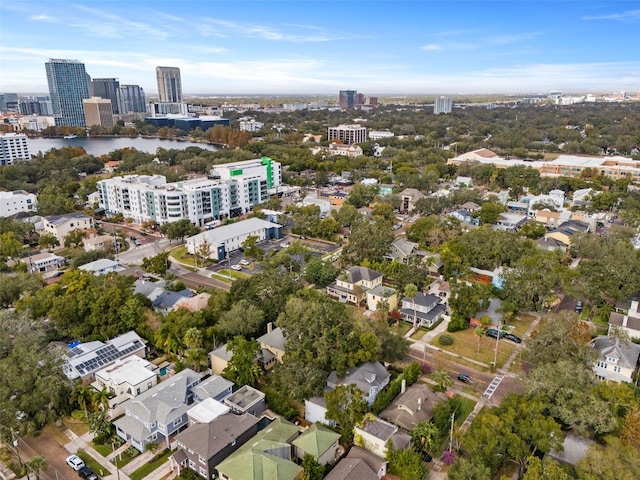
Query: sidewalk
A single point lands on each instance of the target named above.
(507, 365)
(83, 443)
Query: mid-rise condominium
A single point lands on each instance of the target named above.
(68, 86)
(349, 134)
(13, 147)
(107, 88)
(231, 190)
(442, 105)
(169, 84)
(98, 111)
(16, 202)
(132, 99)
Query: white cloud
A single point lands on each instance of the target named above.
(629, 16)
(432, 47)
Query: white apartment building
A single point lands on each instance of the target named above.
(379, 134)
(231, 190)
(13, 147)
(16, 202)
(349, 134)
(442, 105)
(250, 125)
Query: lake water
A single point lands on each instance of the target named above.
(99, 146)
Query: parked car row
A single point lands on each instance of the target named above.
(493, 333)
(79, 466)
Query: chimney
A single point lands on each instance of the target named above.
(269, 327)
(404, 386)
(419, 404)
(634, 307)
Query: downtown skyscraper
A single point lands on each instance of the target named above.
(169, 84)
(108, 88)
(68, 86)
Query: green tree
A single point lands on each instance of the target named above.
(195, 354)
(547, 469)
(347, 406)
(81, 396)
(469, 469)
(368, 240)
(10, 245)
(615, 461)
(320, 273)
(35, 465)
(243, 319)
(312, 469)
(74, 238)
(242, 368)
(406, 464)
(157, 264)
(489, 212)
(48, 241)
(180, 229)
(251, 249)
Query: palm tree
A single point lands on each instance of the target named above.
(100, 399)
(424, 435)
(35, 464)
(410, 290)
(442, 378)
(80, 396)
(479, 333)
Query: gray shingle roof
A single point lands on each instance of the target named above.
(274, 339)
(356, 274)
(627, 354)
(364, 376)
(212, 387)
(207, 439)
(423, 300)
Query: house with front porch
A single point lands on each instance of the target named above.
(157, 414)
(617, 360)
(352, 285)
(425, 309)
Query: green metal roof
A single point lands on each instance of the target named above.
(316, 440)
(265, 456)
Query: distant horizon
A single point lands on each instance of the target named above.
(405, 47)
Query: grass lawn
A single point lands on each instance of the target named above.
(181, 255)
(462, 407)
(125, 457)
(402, 328)
(55, 432)
(156, 462)
(521, 324)
(465, 343)
(79, 427)
(419, 333)
(103, 450)
(225, 272)
(92, 464)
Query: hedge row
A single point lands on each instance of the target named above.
(391, 391)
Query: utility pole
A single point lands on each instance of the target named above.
(495, 356)
(453, 416)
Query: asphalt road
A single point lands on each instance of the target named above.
(49, 449)
(195, 280)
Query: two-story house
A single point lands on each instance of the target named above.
(617, 360)
(369, 377)
(62, 225)
(359, 464)
(125, 379)
(160, 412)
(267, 456)
(44, 262)
(272, 344)
(352, 285)
(202, 446)
(374, 435)
(423, 310)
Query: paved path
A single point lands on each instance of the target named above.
(83, 443)
(507, 365)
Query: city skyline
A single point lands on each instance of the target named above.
(281, 47)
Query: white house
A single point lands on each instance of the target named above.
(16, 202)
(62, 225)
(44, 262)
(617, 360)
(102, 267)
(125, 379)
(352, 286)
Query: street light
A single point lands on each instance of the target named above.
(14, 442)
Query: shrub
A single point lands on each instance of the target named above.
(457, 323)
(445, 340)
(279, 404)
(412, 372)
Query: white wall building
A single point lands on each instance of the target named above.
(16, 202)
(229, 238)
(13, 147)
(442, 105)
(349, 134)
(231, 190)
(250, 125)
(378, 134)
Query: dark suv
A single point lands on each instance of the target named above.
(493, 333)
(87, 474)
(463, 377)
(513, 338)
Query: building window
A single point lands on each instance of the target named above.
(177, 422)
(192, 465)
(201, 459)
(203, 472)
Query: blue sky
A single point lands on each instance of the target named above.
(381, 47)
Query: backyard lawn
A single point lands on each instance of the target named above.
(465, 343)
(181, 255)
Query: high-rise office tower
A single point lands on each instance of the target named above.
(98, 111)
(169, 84)
(132, 99)
(442, 105)
(106, 88)
(347, 99)
(68, 86)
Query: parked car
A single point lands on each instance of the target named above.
(513, 338)
(493, 333)
(137, 242)
(75, 462)
(245, 262)
(236, 267)
(578, 306)
(464, 377)
(302, 237)
(87, 474)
